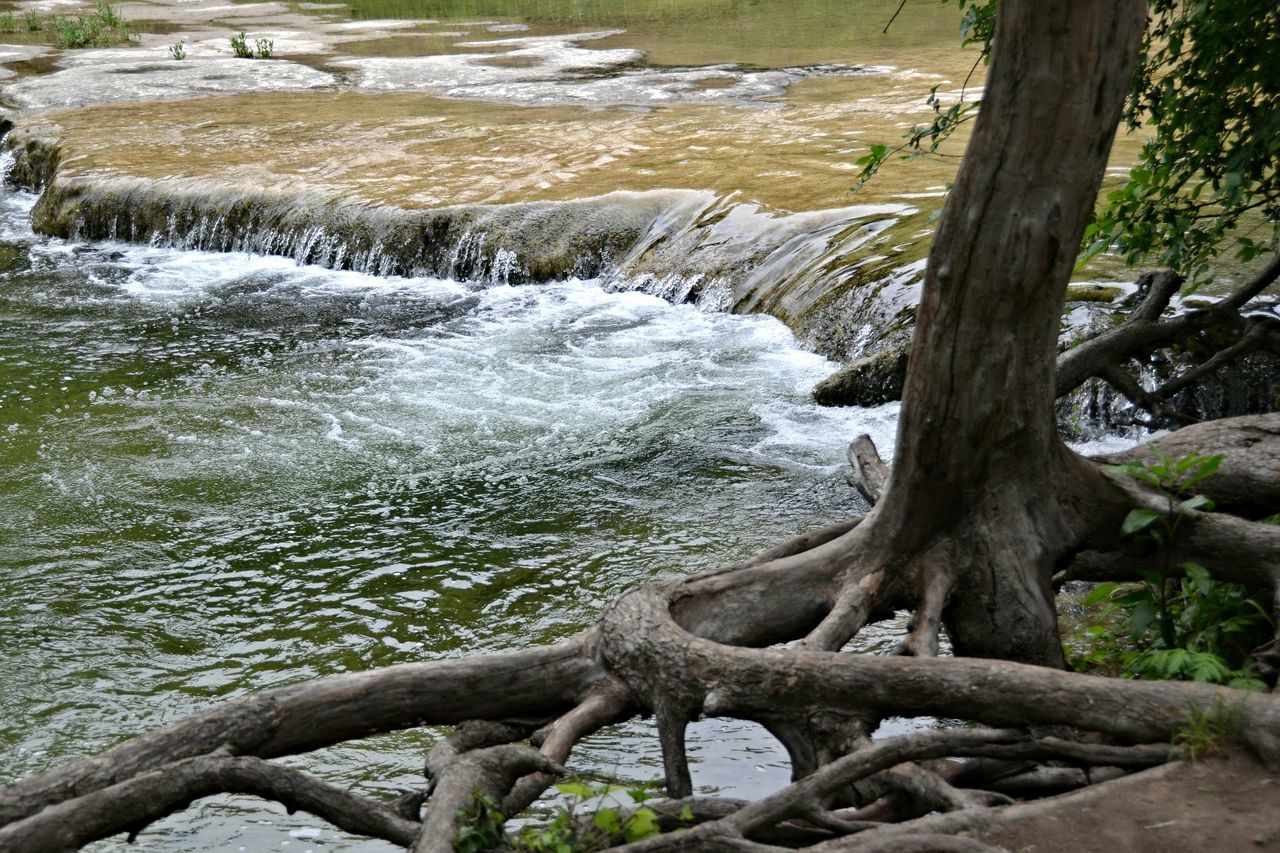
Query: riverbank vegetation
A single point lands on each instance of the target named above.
(102, 27)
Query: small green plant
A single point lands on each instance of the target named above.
(71, 32)
(264, 47)
(1178, 623)
(241, 47)
(1176, 479)
(104, 26)
(33, 22)
(566, 832)
(482, 828)
(108, 15)
(1191, 629)
(1209, 731)
(8, 23)
(178, 50)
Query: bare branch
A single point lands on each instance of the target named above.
(1124, 382)
(871, 475)
(1255, 336)
(1143, 330)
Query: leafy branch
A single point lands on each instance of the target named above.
(1206, 180)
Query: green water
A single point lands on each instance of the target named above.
(224, 473)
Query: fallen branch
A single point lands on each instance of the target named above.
(1144, 330)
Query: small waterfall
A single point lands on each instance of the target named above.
(837, 277)
(8, 160)
(508, 244)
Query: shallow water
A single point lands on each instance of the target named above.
(227, 472)
(707, 32)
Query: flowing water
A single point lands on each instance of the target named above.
(226, 472)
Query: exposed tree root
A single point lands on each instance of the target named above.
(137, 801)
(982, 821)
(489, 772)
(681, 650)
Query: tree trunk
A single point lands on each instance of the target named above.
(979, 466)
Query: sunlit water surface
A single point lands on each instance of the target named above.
(224, 473)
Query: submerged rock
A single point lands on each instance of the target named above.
(1091, 291)
(547, 70)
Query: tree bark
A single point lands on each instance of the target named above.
(978, 460)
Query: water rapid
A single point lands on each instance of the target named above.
(229, 471)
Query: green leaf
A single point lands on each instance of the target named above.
(1139, 519)
(1152, 577)
(575, 789)
(1208, 668)
(1199, 576)
(642, 824)
(607, 820)
(1207, 468)
(1201, 502)
(1144, 612)
(1100, 593)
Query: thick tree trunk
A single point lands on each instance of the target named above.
(978, 462)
